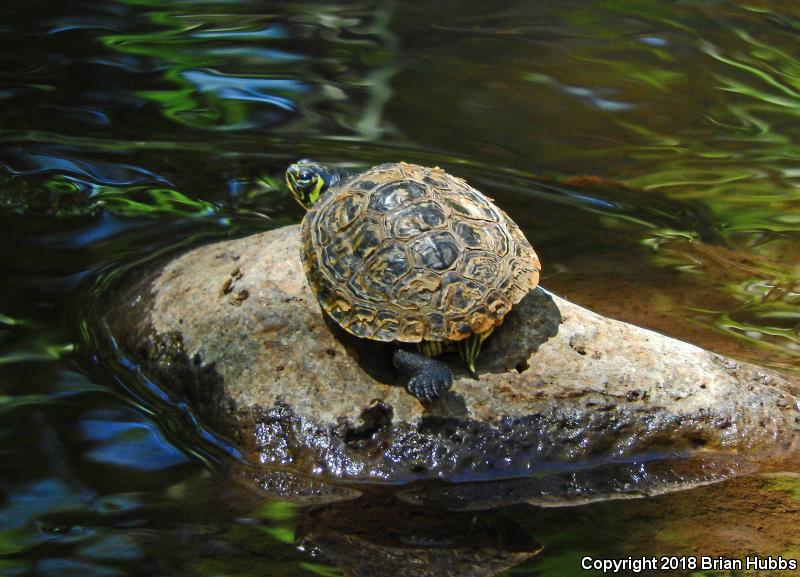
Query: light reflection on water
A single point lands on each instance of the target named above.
(648, 149)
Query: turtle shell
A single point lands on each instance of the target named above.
(408, 253)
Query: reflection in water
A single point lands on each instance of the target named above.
(648, 150)
(420, 541)
(236, 71)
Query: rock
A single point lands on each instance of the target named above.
(570, 406)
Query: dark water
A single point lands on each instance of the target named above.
(649, 150)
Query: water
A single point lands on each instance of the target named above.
(647, 148)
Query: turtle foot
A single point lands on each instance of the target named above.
(430, 385)
(429, 377)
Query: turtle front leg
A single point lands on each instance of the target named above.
(428, 379)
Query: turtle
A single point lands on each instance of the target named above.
(414, 256)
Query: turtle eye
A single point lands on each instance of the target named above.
(305, 175)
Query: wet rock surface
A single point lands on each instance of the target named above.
(570, 405)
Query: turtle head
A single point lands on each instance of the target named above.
(308, 180)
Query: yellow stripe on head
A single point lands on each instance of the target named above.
(295, 189)
(319, 184)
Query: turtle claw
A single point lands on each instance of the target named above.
(430, 384)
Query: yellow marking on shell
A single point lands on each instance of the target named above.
(358, 241)
(339, 306)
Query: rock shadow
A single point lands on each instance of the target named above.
(530, 324)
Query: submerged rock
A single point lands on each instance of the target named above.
(570, 406)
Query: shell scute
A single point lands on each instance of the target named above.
(395, 194)
(360, 321)
(469, 203)
(460, 294)
(436, 251)
(377, 278)
(488, 237)
(436, 327)
(497, 304)
(481, 266)
(337, 216)
(350, 248)
(415, 219)
(458, 327)
(387, 323)
(413, 328)
(419, 292)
